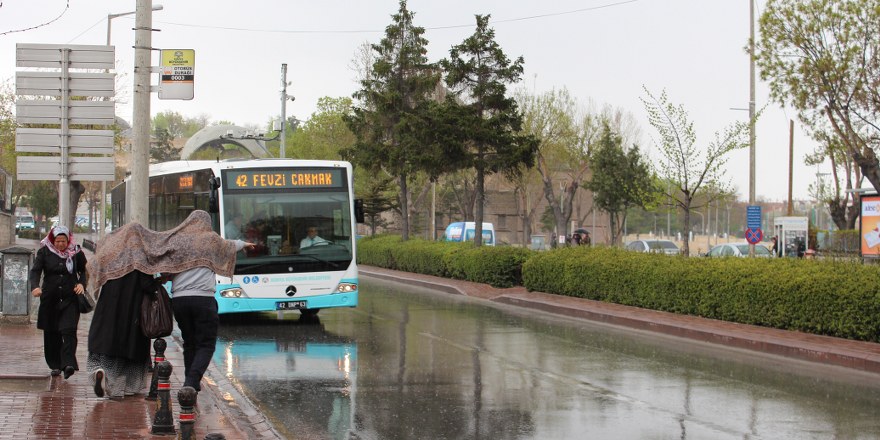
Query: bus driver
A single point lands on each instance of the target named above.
(312, 238)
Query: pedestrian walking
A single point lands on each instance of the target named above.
(190, 255)
(118, 350)
(192, 292)
(61, 265)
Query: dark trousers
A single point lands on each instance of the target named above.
(197, 319)
(59, 348)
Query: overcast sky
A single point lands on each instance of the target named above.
(600, 50)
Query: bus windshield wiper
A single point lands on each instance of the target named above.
(251, 268)
(332, 264)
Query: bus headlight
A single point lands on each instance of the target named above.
(346, 287)
(232, 293)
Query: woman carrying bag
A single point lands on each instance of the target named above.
(123, 269)
(61, 264)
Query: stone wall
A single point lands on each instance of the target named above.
(7, 229)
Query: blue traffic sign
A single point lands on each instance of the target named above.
(753, 217)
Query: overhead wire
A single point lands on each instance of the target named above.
(361, 31)
(66, 8)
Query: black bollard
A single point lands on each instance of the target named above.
(187, 399)
(159, 345)
(163, 420)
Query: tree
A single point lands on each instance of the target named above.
(161, 147)
(399, 83)
(177, 125)
(565, 133)
(823, 58)
(44, 198)
(488, 121)
(843, 211)
(325, 133)
(621, 179)
(7, 129)
(692, 171)
(377, 198)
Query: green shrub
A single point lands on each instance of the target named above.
(30, 234)
(497, 266)
(377, 250)
(835, 298)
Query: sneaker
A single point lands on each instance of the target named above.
(99, 383)
(55, 372)
(68, 371)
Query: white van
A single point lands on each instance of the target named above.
(25, 222)
(464, 231)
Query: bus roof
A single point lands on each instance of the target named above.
(183, 165)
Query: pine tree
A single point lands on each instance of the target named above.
(392, 98)
(488, 122)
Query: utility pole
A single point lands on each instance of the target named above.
(751, 110)
(284, 98)
(790, 165)
(137, 205)
(283, 107)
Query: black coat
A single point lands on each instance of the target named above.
(58, 303)
(116, 329)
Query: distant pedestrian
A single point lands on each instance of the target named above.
(585, 240)
(775, 249)
(61, 265)
(576, 239)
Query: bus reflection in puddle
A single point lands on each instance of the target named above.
(303, 378)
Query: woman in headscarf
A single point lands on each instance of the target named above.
(118, 350)
(61, 264)
(123, 268)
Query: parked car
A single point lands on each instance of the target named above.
(738, 250)
(660, 246)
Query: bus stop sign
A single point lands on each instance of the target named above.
(754, 236)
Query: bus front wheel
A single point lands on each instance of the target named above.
(309, 312)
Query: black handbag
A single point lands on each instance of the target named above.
(85, 303)
(156, 314)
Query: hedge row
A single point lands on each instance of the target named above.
(839, 299)
(497, 266)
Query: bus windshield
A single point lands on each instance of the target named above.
(292, 231)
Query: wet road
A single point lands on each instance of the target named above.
(412, 364)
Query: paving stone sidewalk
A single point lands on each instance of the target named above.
(36, 405)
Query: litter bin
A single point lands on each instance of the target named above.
(15, 296)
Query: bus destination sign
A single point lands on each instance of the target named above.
(284, 179)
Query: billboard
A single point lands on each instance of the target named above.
(869, 226)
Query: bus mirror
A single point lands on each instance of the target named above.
(213, 198)
(359, 210)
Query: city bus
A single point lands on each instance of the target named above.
(273, 203)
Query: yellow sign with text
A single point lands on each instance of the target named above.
(177, 74)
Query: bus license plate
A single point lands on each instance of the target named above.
(290, 305)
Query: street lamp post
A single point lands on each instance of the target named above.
(110, 17)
